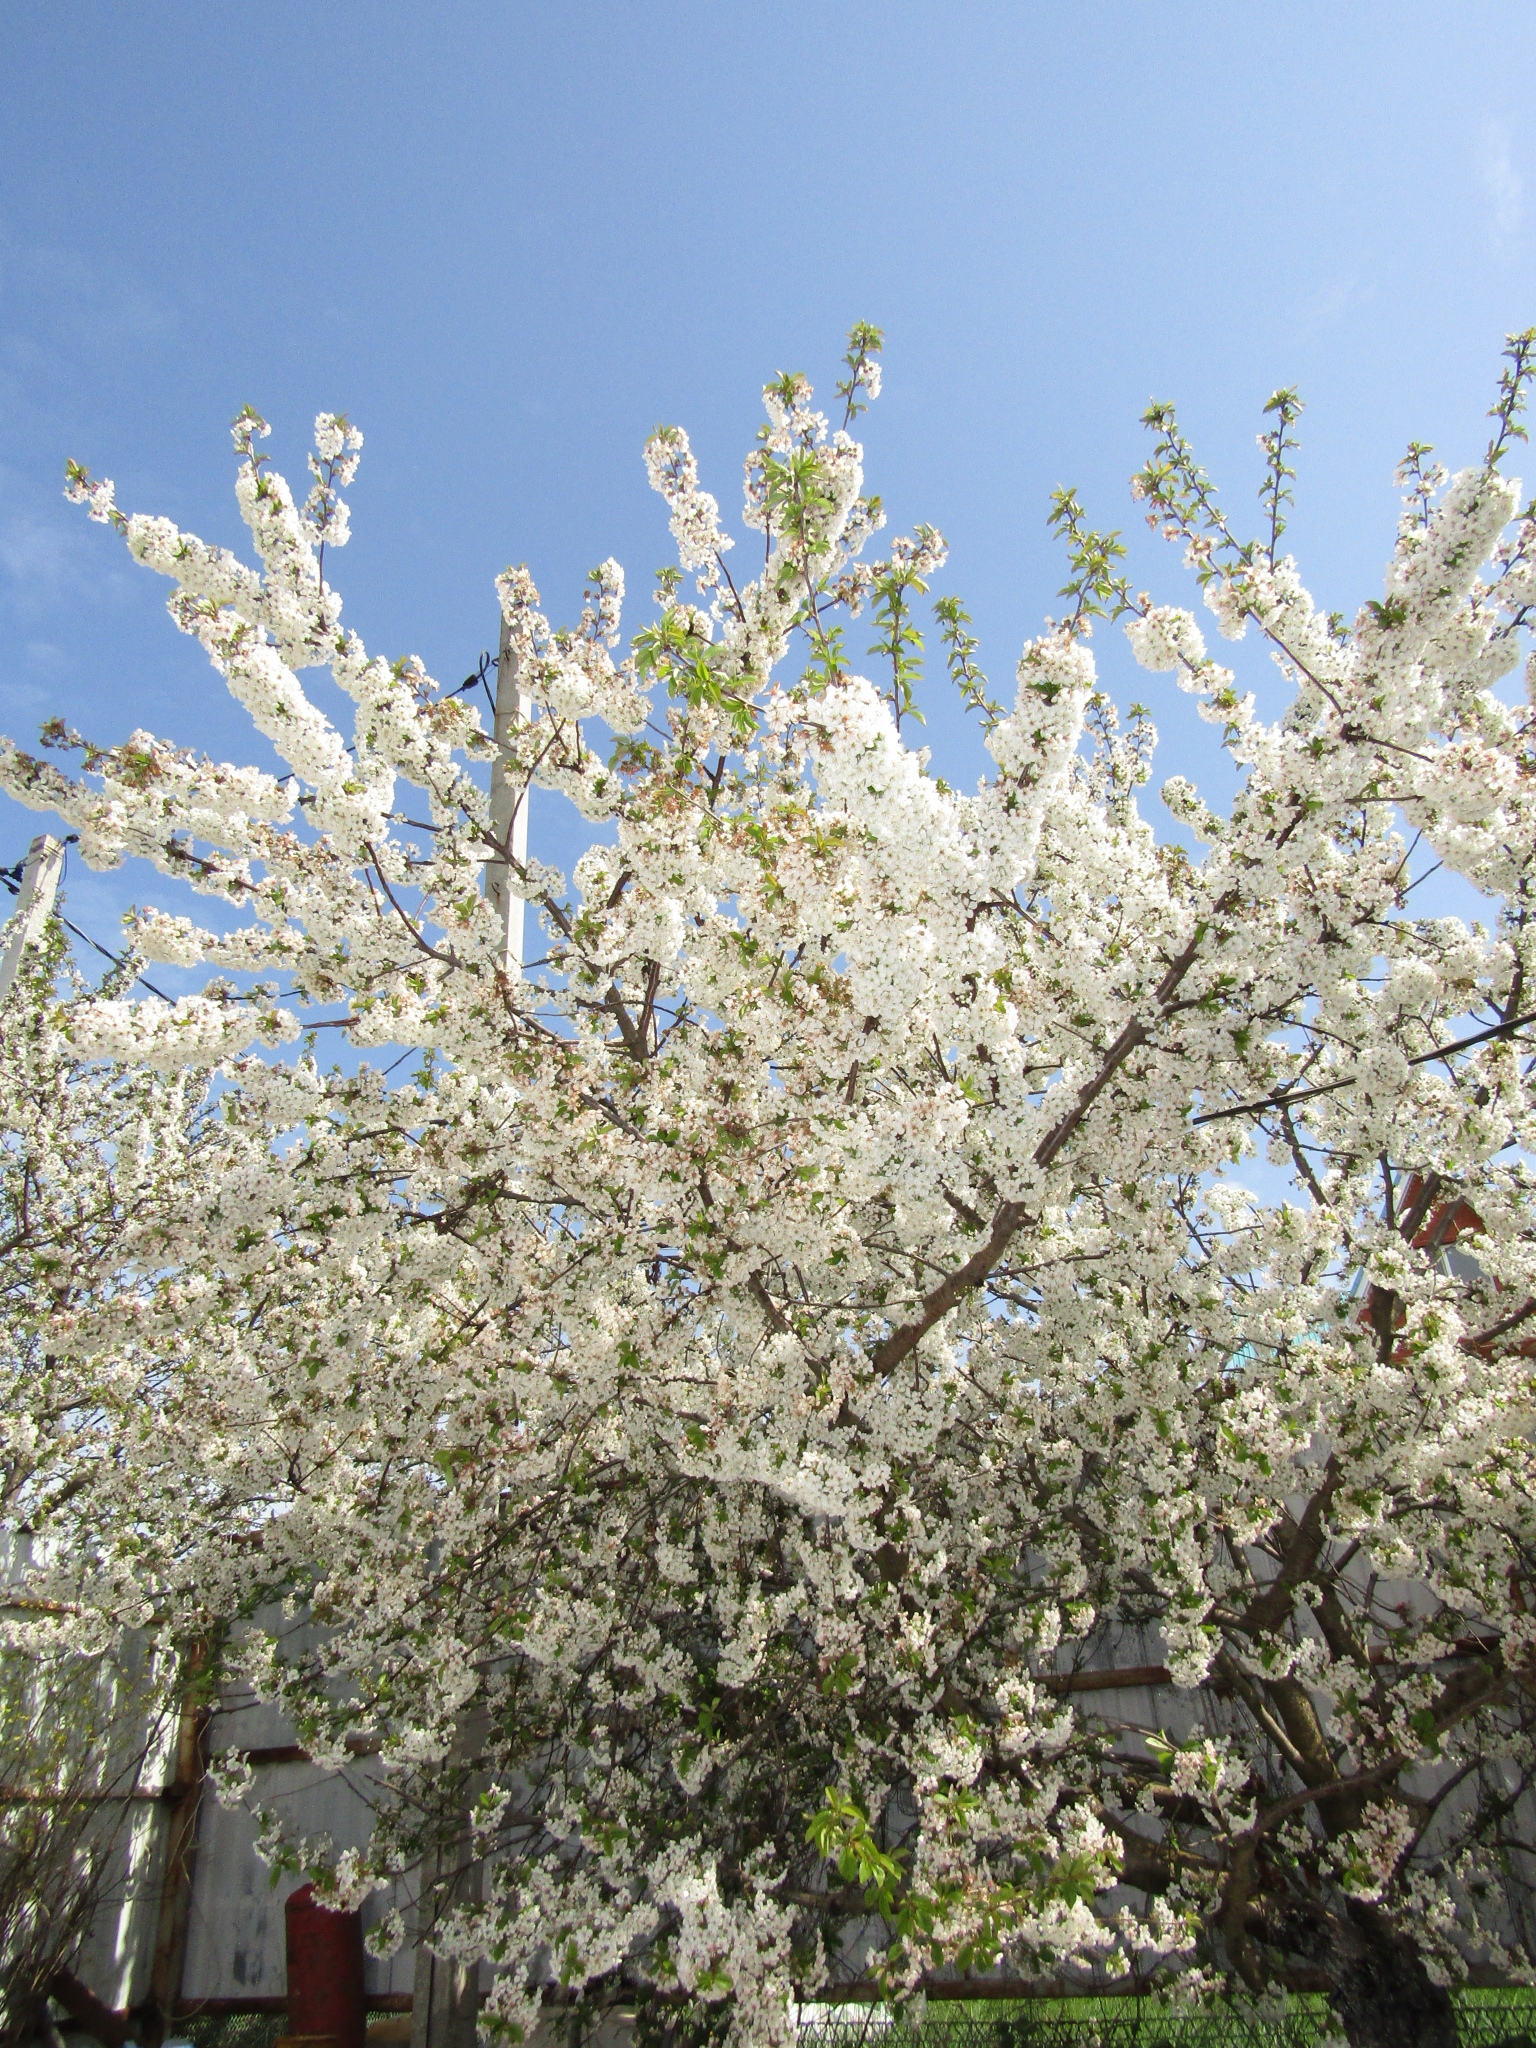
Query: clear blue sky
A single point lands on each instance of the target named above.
(509, 239)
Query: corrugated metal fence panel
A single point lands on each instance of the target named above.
(119, 1953)
(235, 1936)
(235, 1945)
(126, 1779)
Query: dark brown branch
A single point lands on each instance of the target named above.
(1010, 1215)
(1287, 1097)
(1107, 1681)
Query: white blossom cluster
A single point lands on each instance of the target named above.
(719, 1412)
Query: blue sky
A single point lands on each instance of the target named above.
(510, 239)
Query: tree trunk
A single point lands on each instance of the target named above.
(1382, 1994)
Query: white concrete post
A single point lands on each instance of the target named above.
(509, 805)
(445, 1993)
(39, 886)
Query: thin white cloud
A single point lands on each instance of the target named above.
(1501, 182)
(49, 555)
(49, 292)
(36, 553)
(1323, 310)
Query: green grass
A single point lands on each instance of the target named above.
(1486, 2019)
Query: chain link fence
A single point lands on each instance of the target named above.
(1485, 2019)
(229, 2029)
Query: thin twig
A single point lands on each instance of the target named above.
(1285, 1098)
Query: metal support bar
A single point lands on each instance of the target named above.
(509, 805)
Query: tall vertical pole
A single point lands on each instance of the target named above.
(509, 805)
(445, 1995)
(445, 1991)
(184, 1803)
(39, 886)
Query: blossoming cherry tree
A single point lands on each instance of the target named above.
(796, 1446)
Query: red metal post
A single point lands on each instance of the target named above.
(325, 1970)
